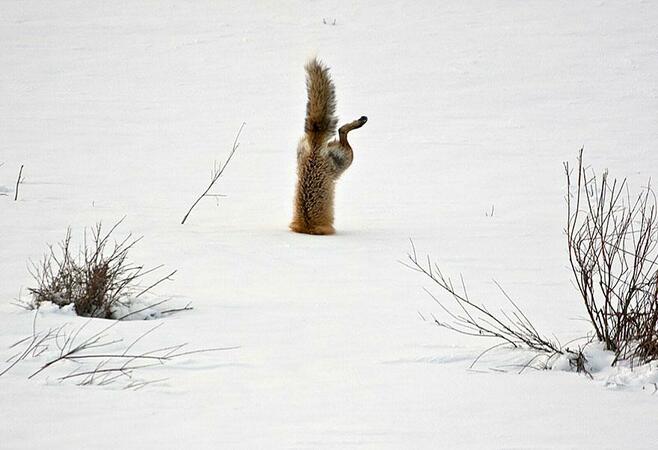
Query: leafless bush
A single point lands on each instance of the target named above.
(97, 280)
(509, 328)
(612, 240)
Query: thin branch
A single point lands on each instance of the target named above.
(217, 172)
(19, 180)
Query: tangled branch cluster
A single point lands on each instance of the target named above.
(612, 240)
(97, 281)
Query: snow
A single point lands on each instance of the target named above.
(121, 108)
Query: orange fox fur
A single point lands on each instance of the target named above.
(320, 161)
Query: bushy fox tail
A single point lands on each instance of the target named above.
(320, 124)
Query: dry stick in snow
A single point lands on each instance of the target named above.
(470, 318)
(217, 172)
(187, 307)
(69, 348)
(512, 327)
(112, 365)
(18, 182)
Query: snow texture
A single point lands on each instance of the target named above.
(121, 108)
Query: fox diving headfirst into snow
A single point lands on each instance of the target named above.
(320, 160)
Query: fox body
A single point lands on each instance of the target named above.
(320, 159)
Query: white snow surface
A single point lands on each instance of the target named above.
(120, 109)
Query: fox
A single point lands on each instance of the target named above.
(321, 160)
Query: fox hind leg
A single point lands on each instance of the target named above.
(358, 123)
(340, 151)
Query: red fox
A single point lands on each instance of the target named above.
(320, 161)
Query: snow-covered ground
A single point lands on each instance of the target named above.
(120, 108)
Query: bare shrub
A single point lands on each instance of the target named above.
(612, 239)
(97, 280)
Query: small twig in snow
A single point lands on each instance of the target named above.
(216, 173)
(19, 180)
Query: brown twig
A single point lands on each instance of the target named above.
(111, 365)
(216, 173)
(19, 180)
(512, 328)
